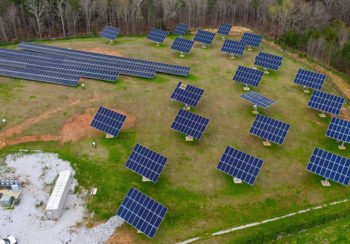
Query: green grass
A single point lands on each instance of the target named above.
(200, 198)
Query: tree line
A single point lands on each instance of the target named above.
(320, 28)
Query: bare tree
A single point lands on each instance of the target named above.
(39, 9)
(60, 10)
(88, 8)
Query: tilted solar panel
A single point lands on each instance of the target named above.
(233, 47)
(181, 29)
(330, 165)
(108, 121)
(37, 75)
(269, 129)
(190, 124)
(240, 165)
(157, 35)
(326, 102)
(204, 37)
(248, 76)
(268, 61)
(251, 39)
(189, 95)
(110, 32)
(258, 99)
(309, 79)
(142, 212)
(339, 129)
(224, 29)
(182, 45)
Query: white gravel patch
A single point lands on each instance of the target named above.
(28, 223)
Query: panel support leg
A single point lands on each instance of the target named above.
(342, 146)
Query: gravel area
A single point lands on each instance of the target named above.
(28, 223)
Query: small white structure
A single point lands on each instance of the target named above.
(59, 195)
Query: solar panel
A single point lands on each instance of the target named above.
(146, 162)
(188, 95)
(233, 47)
(326, 102)
(181, 29)
(157, 35)
(110, 32)
(37, 75)
(251, 39)
(309, 79)
(142, 212)
(190, 124)
(339, 129)
(108, 121)
(240, 165)
(268, 61)
(204, 37)
(224, 29)
(330, 165)
(182, 45)
(248, 76)
(269, 129)
(258, 99)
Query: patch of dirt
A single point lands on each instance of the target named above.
(121, 237)
(103, 51)
(96, 223)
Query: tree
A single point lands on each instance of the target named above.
(89, 8)
(39, 9)
(60, 10)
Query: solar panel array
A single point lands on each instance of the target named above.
(108, 121)
(142, 212)
(146, 162)
(309, 79)
(224, 29)
(330, 165)
(248, 76)
(326, 102)
(251, 39)
(110, 32)
(258, 99)
(181, 29)
(182, 45)
(339, 129)
(269, 129)
(157, 35)
(240, 165)
(190, 95)
(190, 124)
(268, 61)
(233, 47)
(116, 62)
(204, 37)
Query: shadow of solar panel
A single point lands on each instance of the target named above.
(309, 79)
(224, 29)
(257, 99)
(142, 212)
(182, 45)
(339, 129)
(204, 37)
(110, 32)
(181, 29)
(190, 124)
(36, 75)
(108, 121)
(157, 35)
(330, 165)
(106, 60)
(326, 102)
(240, 165)
(248, 76)
(233, 47)
(146, 162)
(251, 39)
(189, 96)
(268, 61)
(269, 129)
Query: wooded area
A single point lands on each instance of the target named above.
(320, 28)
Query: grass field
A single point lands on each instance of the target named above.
(200, 198)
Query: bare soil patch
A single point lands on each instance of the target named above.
(121, 237)
(103, 51)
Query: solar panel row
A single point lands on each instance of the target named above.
(110, 32)
(189, 95)
(204, 37)
(181, 29)
(182, 45)
(257, 99)
(233, 47)
(251, 39)
(268, 61)
(108, 121)
(224, 29)
(326, 102)
(248, 76)
(309, 79)
(157, 35)
(339, 129)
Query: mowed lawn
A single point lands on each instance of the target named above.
(200, 199)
